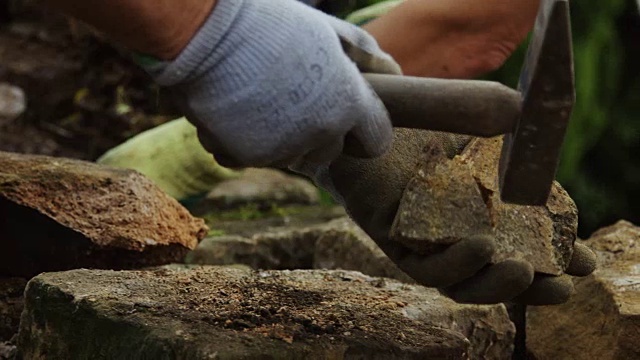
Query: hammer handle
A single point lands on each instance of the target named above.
(469, 107)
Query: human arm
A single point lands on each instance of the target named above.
(453, 39)
(265, 82)
(161, 28)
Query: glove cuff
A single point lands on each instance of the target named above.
(201, 47)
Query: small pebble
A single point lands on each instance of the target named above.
(12, 102)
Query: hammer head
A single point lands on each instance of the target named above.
(530, 153)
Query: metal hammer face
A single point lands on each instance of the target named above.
(530, 153)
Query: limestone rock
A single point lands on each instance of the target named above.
(226, 314)
(439, 206)
(342, 244)
(454, 199)
(247, 221)
(616, 243)
(11, 305)
(62, 214)
(262, 187)
(602, 319)
(338, 244)
(224, 250)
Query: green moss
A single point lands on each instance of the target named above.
(216, 233)
(254, 213)
(248, 212)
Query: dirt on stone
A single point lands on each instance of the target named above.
(232, 313)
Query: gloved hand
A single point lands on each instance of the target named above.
(371, 190)
(267, 83)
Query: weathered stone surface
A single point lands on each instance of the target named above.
(248, 221)
(11, 305)
(440, 205)
(61, 214)
(454, 199)
(262, 187)
(12, 102)
(230, 314)
(342, 244)
(602, 319)
(338, 244)
(616, 243)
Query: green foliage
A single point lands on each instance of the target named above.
(250, 211)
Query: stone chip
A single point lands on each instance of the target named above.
(261, 187)
(453, 199)
(60, 214)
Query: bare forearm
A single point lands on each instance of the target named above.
(156, 27)
(453, 38)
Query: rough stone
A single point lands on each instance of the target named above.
(230, 313)
(455, 199)
(342, 244)
(616, 243)
(12, 103)
(11, 305)
(448, 193)
(602, 319)
(338, 244)
(249, 221)
(262, 187)
(62, 214)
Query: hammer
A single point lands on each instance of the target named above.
(534, 117)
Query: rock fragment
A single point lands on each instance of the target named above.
(602, 319)
(196, 313)
(342, 244)
(62, 214)
(616, 243)
(12, 103)
(338, 244)
(261, 187)
(454, 199)
(440, 205)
